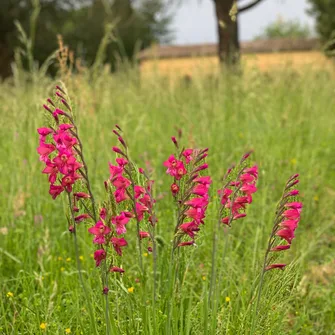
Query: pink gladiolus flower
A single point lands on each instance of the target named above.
(224, 195)
(206, 180)
(187, 154)
(99, 256)
(116, 269)
(201, 190)
(44, 131)
(189, 228)
(52, 170)
(115, 171)
(143, 234)
(121, 182)
(292, 193)
(172, 165)
(120, 195)
(239, 216)
(183, 244)
(294, 205)
(105, 290)
(197, 202)
(196, 214)
(81, 217)
(57, 112)
(247, 178)
(44, 150)
(118, 243)
(139, 190)
(290, 224)
(201, 167)
(117, 150)
(120, 222)
(55, 191)
(286, 234)
(248, 188)
(281, 247)
(174, 189)
(121, 162)
(275, 266)
(140, 210)
(81, 195)
(67, 182)
(253, 171)
(141, 171)
(99, 230)
(65, 126)
(292, 214)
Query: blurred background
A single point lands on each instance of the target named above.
(180, 35)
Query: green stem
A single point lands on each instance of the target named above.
(76, 247)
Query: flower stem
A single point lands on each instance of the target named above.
(76, 247)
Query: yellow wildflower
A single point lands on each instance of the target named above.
(227, 299)
(62, 269)
(81, 258)
(131, 289)
(145, 254)
(294, 161)
(60, 258)
(68, 259)
(68, 331)
(203, 277)
(10, 294)
(43, 326)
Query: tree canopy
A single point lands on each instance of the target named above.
(136, 24)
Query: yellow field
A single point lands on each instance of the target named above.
(193, 66)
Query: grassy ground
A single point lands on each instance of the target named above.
(288, 119)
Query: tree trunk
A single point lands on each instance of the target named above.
(229, 47)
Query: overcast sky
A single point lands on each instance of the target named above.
(194, 21)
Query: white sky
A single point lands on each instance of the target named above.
(194, 21)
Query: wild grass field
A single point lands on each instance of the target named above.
(286, 118)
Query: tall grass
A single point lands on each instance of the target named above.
(287, 119)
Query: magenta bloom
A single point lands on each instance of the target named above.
(253, 171)
(248, 188)
(120, 222)
(121, 161)
(143, 234)
(292, 214)
(52, 170)
(115, 171)
(81, 195)
(294, 205)
(275, 266)
(120, 195)
(197, 202)
(175, 167)
(99, 256)
(174, 189)
(197, 214)
(184, 244)
(116, 269)
(286, 234)
(189, 228)
(224, 195)
(55, 191)
(290, 224)
(140, 210)
(206, 180)
(187, 154)
(121, 182)
(44, 150)
(281, 247)
(81, 217)
(201, 190)
(118, 243)
(99, 230)
(139, 190)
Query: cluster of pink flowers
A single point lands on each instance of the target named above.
(190, 190)
(237, 194)
(288, 217)
(60, 159)
(110, 229)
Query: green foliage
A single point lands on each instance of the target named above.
(284, 117)
(82, 24)
(323, 11)
(284, 29)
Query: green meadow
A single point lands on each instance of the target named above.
(286, 118)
